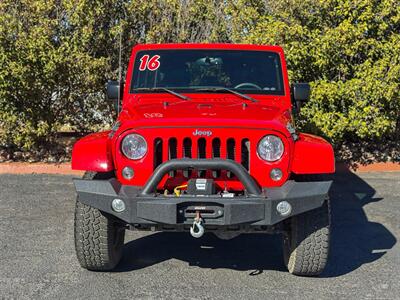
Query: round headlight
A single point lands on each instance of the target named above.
(134, 146)
(270, 148)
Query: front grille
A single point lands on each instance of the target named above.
(235, 149)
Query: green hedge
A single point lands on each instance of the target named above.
(55, 57)
(348, 50)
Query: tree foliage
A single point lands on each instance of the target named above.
(348, 49)
(50, 69)
(55, 57)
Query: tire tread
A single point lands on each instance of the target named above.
(95, 237)
(306, 248)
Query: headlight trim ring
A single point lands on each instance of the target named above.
(278, 147)
(139, 146)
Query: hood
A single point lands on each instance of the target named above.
(208, 112)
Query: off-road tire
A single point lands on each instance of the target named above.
(99, 238)
(306, 241)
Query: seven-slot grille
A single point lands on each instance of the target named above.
(235, 149)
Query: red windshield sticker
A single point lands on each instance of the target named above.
(151, 64)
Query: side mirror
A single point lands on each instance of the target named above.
(114, 92)
(300, 94)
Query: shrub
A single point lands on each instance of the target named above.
(349, 51)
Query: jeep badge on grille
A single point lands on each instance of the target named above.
(202, 132)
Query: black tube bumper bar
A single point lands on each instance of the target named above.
(255, 209)
(202, 164)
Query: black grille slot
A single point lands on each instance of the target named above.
(230, 153)
(230, 147)
(245, 159)
(216, 153)
(172, 152)
(157, 152)
(216, 148)
(172, 148)
(201, 148)
(187, 148)
(201, 153)
(187, 152)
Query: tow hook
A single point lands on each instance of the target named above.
(197, 230)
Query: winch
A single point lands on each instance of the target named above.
(201, 186)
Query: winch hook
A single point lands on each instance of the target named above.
(197, 229)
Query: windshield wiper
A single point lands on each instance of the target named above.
(216, 89)
(155, 89)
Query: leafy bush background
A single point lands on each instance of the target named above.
(55, 57)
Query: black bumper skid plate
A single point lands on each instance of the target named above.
(159, 209)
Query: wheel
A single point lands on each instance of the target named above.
(99, 237)
(306, 241)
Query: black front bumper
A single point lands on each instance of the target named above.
(146, 208)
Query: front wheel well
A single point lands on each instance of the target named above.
(310, 177)
(99, 175)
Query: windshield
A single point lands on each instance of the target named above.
(256, 72)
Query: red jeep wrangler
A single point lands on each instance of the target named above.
(205, 141)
